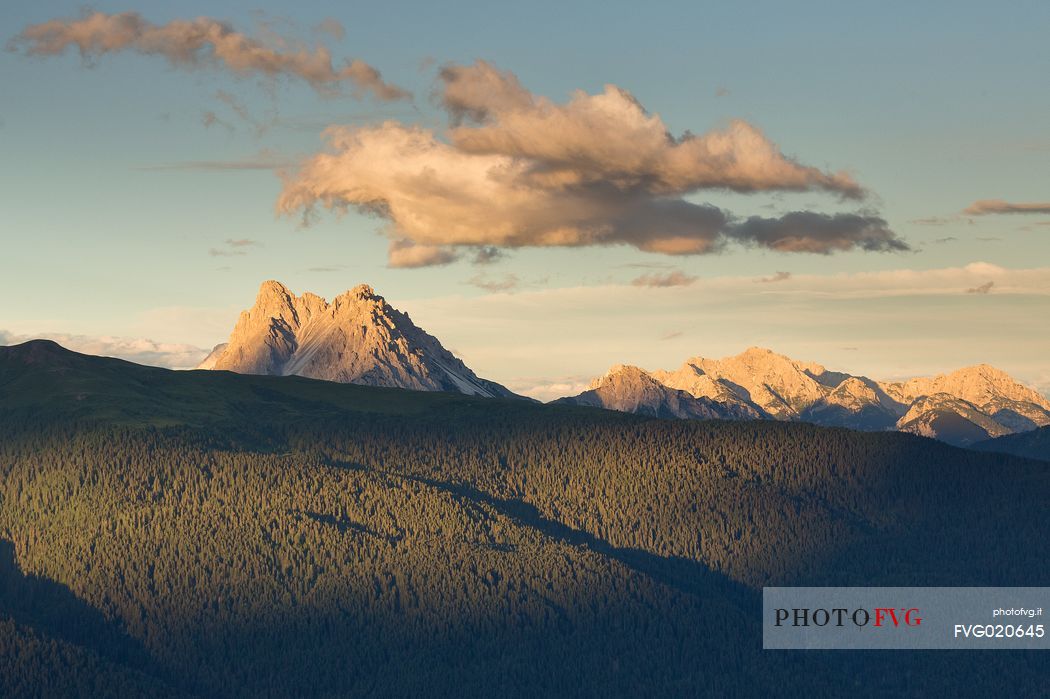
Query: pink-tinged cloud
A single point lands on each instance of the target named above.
(203, 41)
(517, 170)
(984, 207)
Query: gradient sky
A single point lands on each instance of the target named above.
(123, 177)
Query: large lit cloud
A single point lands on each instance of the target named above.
(984, 207)
(202, 41)
(517, 170)
(611, 138)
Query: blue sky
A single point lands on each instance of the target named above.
(114, 225)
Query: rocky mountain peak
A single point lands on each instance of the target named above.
(621, 373)
(357, 338)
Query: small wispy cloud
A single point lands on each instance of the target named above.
(488, 255)
(332, 27)
(671, 335)
(210, 119)
(204, 42)
(984, 207)
(985, 288)
(507, 282)
(405, 254)
(778, 277)
(265, 159)
(941, 220)
(656, 280)
(232, 247)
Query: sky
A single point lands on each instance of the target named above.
(549, 188)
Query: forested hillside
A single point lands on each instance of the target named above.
(1034, 444)
(201, 533)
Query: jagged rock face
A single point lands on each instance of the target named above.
(770, 384)
(994, 392)
(633, 390)
(858, 403)
(357, 338)
(963, 407)
(951, 419)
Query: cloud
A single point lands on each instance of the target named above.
(646, 265)
(946, 239)
(981, 289)
(332, 27)
(138, 350)
(611, 137)
(807, 231)
(778, 277)
(407, 254)
(234, 247)
(241, 111)
(548, 389)
(984, 207)
(941, 220)
(203, 42)
(210, 119)
(265, 159)
(508, 282)
(674, 278)
(488, 255)
(515, 170)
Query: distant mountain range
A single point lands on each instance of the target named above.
(357, 338)
(964, 407)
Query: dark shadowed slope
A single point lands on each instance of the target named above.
(1032, 445)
